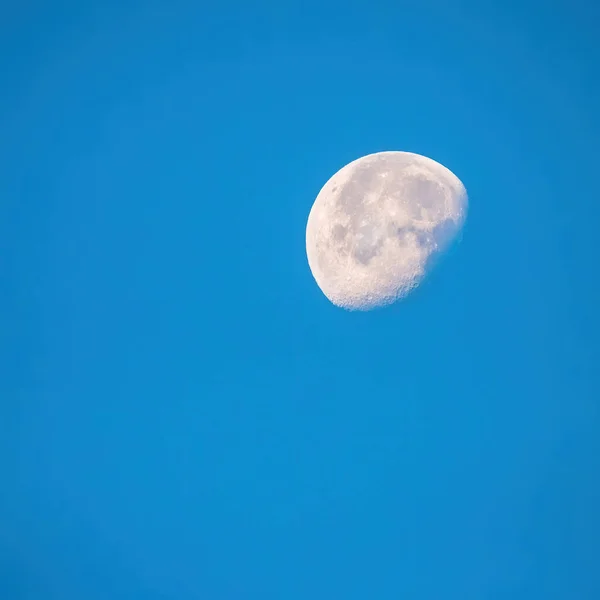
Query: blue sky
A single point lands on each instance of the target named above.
(183, 415)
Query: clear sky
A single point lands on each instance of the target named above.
(184, 415)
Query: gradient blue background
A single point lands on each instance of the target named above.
(183, 415)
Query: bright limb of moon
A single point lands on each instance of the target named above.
(376, 225)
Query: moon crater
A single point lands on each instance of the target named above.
(376, 225)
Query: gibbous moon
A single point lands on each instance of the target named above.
(378, 224)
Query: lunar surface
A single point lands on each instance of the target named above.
(378, 224)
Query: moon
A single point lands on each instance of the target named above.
(378, 224)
